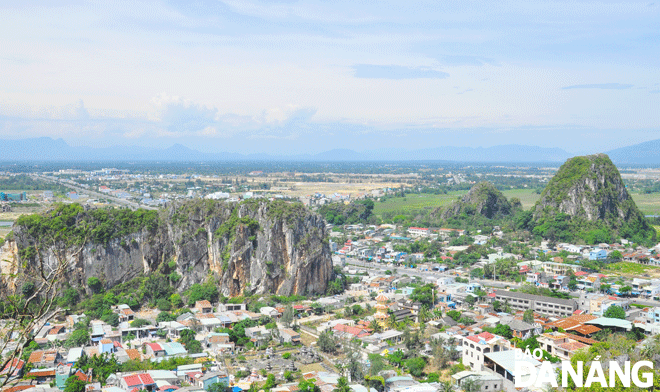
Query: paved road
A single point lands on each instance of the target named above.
(100, 195)
(423, 274)
(483, 282)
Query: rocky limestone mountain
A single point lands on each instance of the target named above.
(482, 199)
(588, 193)
(254, 246)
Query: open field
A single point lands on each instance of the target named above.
(415, 202)
(632, 270)
(527, 196)
(419, 202)
(648, 203)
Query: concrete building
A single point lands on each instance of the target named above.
(543, 305)
(475, 346)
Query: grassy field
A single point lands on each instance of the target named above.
(649, 204)
(420, 202)
(415, 202)
(527, 196)
(632, 269)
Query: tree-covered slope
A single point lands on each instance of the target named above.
(588, 200)
(482, 199)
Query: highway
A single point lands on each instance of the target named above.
(96, 194)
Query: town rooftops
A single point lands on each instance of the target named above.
(611, 322)
(572, 321)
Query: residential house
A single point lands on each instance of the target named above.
(342, 330)
(154, 350)
(486, 380)
(560, 344)
(289, 336)
(13, 368)
(231, 307)
(521, 329)
(44, 358)
(139, 381)
(475, 346)
(269, 311)
(258, 335)
(598, 254)
(204, 306)
(211, 378)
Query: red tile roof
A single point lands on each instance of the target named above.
(484, 335)
(355, 331)
(155, 346)
(81, 376)
(15, 366)
(138, 379)
(133, 353)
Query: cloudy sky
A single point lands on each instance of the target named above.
(287, 77)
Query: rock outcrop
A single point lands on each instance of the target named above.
(256, 247)
(482, 199)
(589, 192)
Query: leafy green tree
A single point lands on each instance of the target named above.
(104, 365)
(74, 384)
(138, 323)
(615, 311)
(416, 366)
(111, 318)
(163, 304)
(218, 387)
(176, 301)
(95, 284)
(503, 330)
(165, 316)
(615, 255)
(454, 314)
(287, 315)
(270, 383)
(424, 295)
(192, 345)
(528, 316)
(308, 386)
(326, 342)
(377, 364)
(78, 338)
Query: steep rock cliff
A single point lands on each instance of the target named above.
(252, 247)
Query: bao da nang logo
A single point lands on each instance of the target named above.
(527, 373)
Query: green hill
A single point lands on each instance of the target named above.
(587, 200)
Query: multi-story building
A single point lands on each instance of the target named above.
(543, 305)
(475, 346)
(419, 231)
(552, 268)
(654, 314)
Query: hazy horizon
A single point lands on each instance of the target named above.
(288, 78)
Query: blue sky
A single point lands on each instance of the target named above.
(289, 77)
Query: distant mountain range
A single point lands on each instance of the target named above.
(647, 153)
(48, 149)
